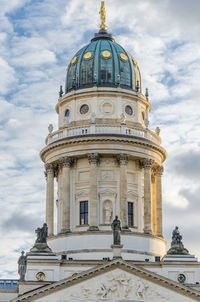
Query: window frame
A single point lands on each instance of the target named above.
(130, 214)
(83, 214)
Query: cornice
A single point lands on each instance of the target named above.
(93, 272)
(92, 138)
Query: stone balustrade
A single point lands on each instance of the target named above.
(103, 129)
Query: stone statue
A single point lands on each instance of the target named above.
(42, 234)
(116, 227)
(108, 214)
(177, 247)
(122, 118)
(93, 117)
(146, 122)
(141, 288)
(40, 245)
(176, 236)
(50, 128)
(157, 130)
(22, 266)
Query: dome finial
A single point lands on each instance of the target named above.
(102, 13)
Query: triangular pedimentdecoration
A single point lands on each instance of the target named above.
(124, 271)
(132, 194)
(107, 192)
(82, 193)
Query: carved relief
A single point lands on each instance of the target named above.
(121, 288)
(107, 175)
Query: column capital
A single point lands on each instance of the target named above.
(122, 159)
(66, 161)
(93, 158)
(158, 170)
(49, 168)
(146, 163)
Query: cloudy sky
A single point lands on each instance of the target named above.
(37, 39)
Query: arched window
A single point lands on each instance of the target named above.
(125, 79)
(67, 113)
(86, 72)
(106, 74)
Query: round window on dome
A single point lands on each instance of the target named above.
(106, 54)
(87, 55)
(84, 109)
(74, 60)
(134, 62)
(129, 110)
(123, 57)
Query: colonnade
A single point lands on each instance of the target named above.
(63, 168)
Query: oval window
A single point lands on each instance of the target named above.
(84, 109)
(129, 110)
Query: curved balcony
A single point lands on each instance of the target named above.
(103, 129)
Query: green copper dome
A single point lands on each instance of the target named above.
(103, 63)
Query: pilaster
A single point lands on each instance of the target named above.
(158, 171)
(49, 173)
(146, 164)
(65, 164)
(123, 161)
(93, 159)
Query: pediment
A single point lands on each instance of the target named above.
(132, 194)
(107, 192)
(115, 281)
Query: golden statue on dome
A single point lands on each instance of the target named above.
(103, 16)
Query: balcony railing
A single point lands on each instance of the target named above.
(103, 129)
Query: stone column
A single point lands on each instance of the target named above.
(123, 161)
(146, 164)
(93, 159)
(49, 197)
(65, 163)
(158, 170)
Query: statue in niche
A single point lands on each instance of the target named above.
(22, 266)
(107, 213)
(116, 227)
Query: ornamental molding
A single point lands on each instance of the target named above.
(144, 286)
(132, 194)
(136, 141)
(82, 193)
(107, 192)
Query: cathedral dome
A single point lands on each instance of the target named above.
(103, 63)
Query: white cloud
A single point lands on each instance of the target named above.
(7, 75)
